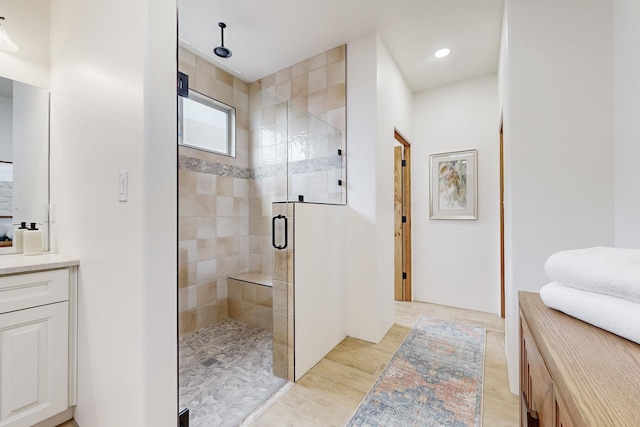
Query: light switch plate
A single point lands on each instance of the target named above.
(123, 186)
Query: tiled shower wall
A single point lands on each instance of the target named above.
(283, 327)
(281, 130)
(213, 205)
(268, 160)
(225, 203)
(316, 86)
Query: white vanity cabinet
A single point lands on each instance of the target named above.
(37, 340)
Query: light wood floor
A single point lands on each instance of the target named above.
(329, 394)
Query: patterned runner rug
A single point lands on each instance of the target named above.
(434, 379)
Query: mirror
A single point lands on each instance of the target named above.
(24, 160)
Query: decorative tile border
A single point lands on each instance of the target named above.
(301, 166)
(265, 171)
(213, 168)
(316, 165)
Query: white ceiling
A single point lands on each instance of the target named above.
(266, 36)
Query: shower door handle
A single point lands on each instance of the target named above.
(273, 232)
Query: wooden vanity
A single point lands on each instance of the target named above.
(38, 312)
(573, 374)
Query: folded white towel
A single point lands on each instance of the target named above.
(616, 315)
(609, 271)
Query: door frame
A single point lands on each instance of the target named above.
(406, 283)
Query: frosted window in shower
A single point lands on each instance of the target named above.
(206, 124)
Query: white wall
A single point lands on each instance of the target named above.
(558, 133)
(27, 23)
(503, 58)
(626, 15)
(321, 282)
(378, 99)
(457, 262)
(395, 103)
(113, 109)
(361, 189)
(160, 229)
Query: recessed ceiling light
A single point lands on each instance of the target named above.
(442, 53)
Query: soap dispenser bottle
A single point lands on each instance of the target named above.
(18, 238)
(32, 240)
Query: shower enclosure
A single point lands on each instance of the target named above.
(295, 158)
(237, 234)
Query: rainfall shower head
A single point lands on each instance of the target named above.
(222, 51)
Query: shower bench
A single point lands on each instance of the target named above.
(251, 299)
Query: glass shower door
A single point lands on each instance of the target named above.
(316, 160)
(271, 218)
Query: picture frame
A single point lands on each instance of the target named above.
(454, 185)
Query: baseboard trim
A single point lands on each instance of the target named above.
(56, 420)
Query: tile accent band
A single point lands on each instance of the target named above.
(301, 166)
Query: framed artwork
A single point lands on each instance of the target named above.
(454, 185)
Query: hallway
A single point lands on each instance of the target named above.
(329, 394)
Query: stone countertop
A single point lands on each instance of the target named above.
(18, 263)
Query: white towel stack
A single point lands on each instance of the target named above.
(600, 286)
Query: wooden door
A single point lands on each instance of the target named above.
(406, 225)
(402, 219)
(398, 242)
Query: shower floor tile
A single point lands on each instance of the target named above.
(225, 373)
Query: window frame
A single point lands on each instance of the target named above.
(207, 101)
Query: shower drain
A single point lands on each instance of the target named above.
(210, 361)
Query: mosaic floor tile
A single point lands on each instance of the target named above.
(225, 373)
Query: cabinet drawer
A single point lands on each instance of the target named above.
(33, 289)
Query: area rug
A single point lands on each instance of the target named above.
(434, 379)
